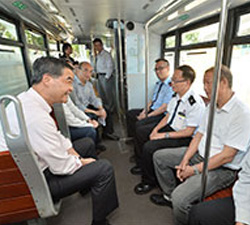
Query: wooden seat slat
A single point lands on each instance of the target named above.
(13, 190)
(16, 204)
(18, 216)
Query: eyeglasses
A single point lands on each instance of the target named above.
(160, 68)
(177, 81)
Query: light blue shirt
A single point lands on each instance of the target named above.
(104, 63)
(84, 95)
(241, 193)
(164, 95)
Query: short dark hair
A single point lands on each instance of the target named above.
(66, 46)
(188, 72)
(162, 60)
(50, 65)
(225, 73)
(97, 40)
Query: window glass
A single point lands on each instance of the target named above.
(8, 30)
(244, 27)
(240, 71)
(170, 42)
(35, 54)
(12, 74)
(80, 53)
(170, 57)
(34, 38)
(52, 44)
(200, 60)
(203, 34)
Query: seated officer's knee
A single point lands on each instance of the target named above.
(105, 167)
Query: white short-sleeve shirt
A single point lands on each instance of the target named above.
(231, 128)
(50, 146)
(189, 112)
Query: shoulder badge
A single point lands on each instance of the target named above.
(191, 100)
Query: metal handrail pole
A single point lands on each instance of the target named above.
(121, 64)
(216, 80)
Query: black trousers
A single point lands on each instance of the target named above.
(98, 177)
(133, 122)
(149, 147)
(218, 212)
(109, 128)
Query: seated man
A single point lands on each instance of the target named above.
(229, 144)
(67, 169)
(84, 97)
(157, 107)
(227, 211)
(80, 125)
(174, 130)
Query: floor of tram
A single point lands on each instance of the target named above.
(133, 210)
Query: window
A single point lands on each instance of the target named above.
(34, 39)
(203, 34)
(200, 60)
(240, 71)
(35, 54)
(170, 57)
(8, 30)
(80, 53)
(244, 25)
(12, 75)
(52, 44)
(170, 42)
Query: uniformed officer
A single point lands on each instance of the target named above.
(175, 129)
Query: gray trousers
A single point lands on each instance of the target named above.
(187, 193)
(106, 89)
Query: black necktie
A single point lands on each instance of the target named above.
(175, 110)
(156, 95)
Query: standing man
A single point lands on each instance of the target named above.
(104, 67)
(158, 105)
(68, 167)
(229, 144)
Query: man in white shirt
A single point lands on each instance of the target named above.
(68, 168)
(104, 68)
(176, 128)
(80, 125)
(229, 144)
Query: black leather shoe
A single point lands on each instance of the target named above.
(136, 170)
(101, 148)
(143, 188)
(111, 137)
(158, 199)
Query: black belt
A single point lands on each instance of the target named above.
(101, 74)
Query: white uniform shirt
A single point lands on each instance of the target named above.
(189, 112)
(48, 143)
(231, 128)
(104, 63)
(74, 116)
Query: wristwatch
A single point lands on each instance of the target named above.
(167, 135)
(196, 171)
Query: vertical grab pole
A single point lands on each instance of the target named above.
(121, 64)
(146, 66)
(216, 80)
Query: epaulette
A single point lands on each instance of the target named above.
(174, 95)
(191, 100)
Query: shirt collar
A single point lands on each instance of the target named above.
(167, 81)
(185, 97)
(40, 99)
(229, 105)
